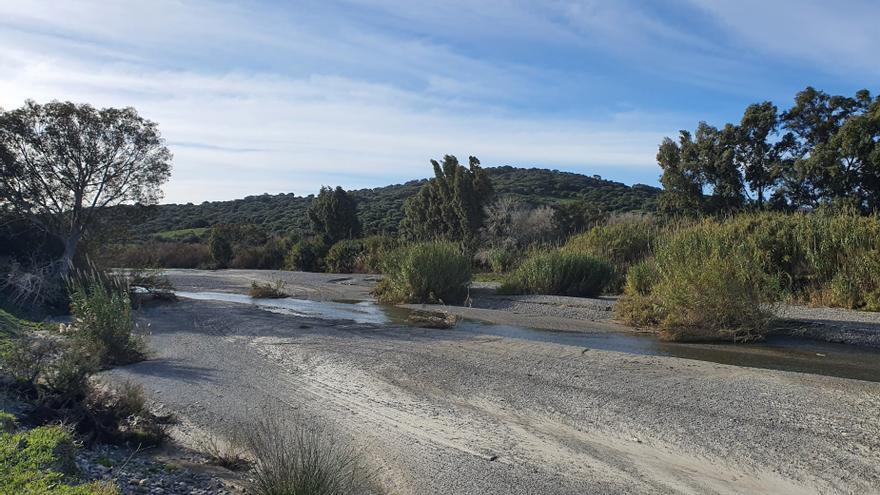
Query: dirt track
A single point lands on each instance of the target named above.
(442, 411)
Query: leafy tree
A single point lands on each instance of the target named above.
(220, 247)
(682, 181)
(62, 163)
(450, 206)
(811, 123)
(714, 151)
(333, 215)
(756, 155)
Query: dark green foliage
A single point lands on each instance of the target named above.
(269, 256)
(306, 255)
(450, 205)
(430, 272)
(381, 209)
(220, 248)
(333, 215)
(825, 150)
(344, 256)
(559, 273)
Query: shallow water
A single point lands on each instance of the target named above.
(780, 353)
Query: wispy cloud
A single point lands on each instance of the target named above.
(280, 98)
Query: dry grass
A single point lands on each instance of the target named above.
(268, 290)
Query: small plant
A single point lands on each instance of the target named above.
(292, 459)
(103, 318)
(268, 290)
(431, 272)
(227, 454)
(559, 273)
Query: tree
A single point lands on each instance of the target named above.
(682, 182)
(220, 247)
(62, 163)
(815, 118)
(450, 206)
(714, 152)
(333, 215)
(755, 154)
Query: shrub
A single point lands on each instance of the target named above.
(156, 255)
(269, 256)
(428, 272)
(292, 459)
(220, 248)
(344, 256)
(622, 244)
(502, 259)
(857, 283)
(376, 249)
(641, 278)
(709, 287)
(267, 290)
(103, 318)
(306, 255)
(559, 273)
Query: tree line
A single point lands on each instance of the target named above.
(824, 150)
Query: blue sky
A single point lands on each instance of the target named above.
(257, 97)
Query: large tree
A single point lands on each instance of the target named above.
(333, 215)
(756, 154)
(451, 205)
(62, 163)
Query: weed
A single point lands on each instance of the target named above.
(559, 273)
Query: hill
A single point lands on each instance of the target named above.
(381, 208)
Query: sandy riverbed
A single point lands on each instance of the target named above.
(447, 412)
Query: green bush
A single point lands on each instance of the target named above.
(376, 249)
(344, 256)
(559, 273)
(641, 278)
(502, 259)
(41, 462)
(857, 283)
(431, 272)
(306, 255)
(707, 286)
(103, 318)
(622, 244)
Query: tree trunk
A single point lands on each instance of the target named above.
(66, 261)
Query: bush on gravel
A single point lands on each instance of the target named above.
(268, 290)
(343, 256)
(705, 286)
(102, 317)
(306, 255)
(559, 273)
(293, 459)
(430, 272)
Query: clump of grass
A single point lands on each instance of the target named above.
(231, 454)
(431, 272)
(292, 459)
(268, 290)
(703, 285)
(40, 461)
(559, 273)
(622, 243)
(103, 318)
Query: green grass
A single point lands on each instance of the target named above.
(40, 462)
(430, 272)
(559, 273)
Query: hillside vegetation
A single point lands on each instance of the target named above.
(380, 210)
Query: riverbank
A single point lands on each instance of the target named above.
(453, 412)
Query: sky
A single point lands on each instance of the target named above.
(287, 96)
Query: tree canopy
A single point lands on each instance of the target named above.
(333, 215)
(450, 206)
(824, 150)
(62, 163)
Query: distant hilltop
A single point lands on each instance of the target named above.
(381, 209)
